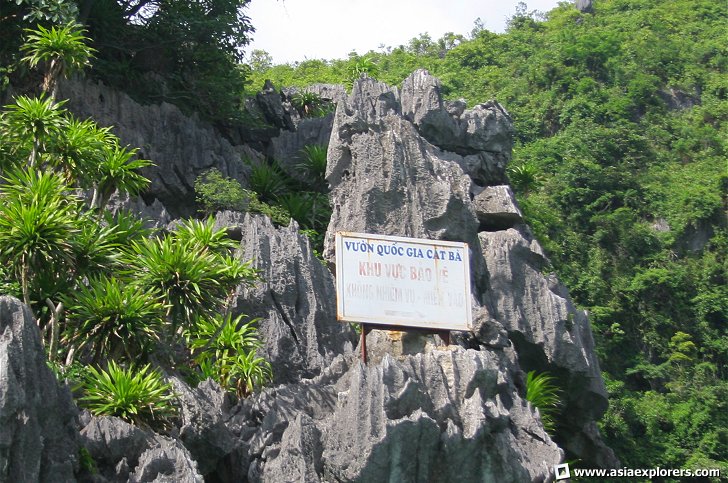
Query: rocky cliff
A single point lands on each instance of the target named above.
(400, 162)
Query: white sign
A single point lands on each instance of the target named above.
(402, 281)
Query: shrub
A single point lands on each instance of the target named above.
(114, 319)
(214, 192)
(310, 104)
(139, 396)
(225, 350)
(313, 166)
(268, 181)
(544, 394)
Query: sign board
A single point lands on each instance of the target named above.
(402, 281)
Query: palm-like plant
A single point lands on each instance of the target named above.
(225, 349)
(313, 165)
(63, 49)
(268, 181)
(79, 149)
(203, 234)
(310, 210)
(139, 396)
(30, 123)
(38, 225)
(190, 278)
(525, 177)
(544, 394)
(112, 318)
(118, 171)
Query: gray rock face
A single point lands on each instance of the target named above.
(180, 146)
(203, 430)
(548, 331)
(38, 427)
(124, 452)
(584, 6)
(483, 135)
(286, 147)
(386, 179)
(436, 417)
(496, 208)
(295, 300)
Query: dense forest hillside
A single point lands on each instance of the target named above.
(620, 166)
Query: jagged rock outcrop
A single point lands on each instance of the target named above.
(180, 146)
(496, 208)
(584, 6)
(549, 333)
(436, 417)
(387, 177)
(295, 298)
(287, 147)
(483, 135)
(38, 428)
(123, 452)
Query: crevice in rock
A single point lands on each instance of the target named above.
(284, 317)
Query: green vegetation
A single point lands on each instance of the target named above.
(544, 394)
(225, 350)
(137, 395)
(115, 293)
(620, 167)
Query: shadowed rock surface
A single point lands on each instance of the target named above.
(38, 429)
(295, 298)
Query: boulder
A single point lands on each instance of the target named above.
(38, 420)
(124, 452)
(496, 208)
(294, 299)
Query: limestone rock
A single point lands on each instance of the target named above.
(484, 128)
(386, 179)
(496, 208)
(436, 417)
(203, 430)
(287, 146)
(548, 331)
(584, 6)
(124, 452)
(295, 299)
(38, 426)
(181, 147)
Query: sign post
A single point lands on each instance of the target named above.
(396, 282)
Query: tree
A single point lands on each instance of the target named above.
(64, 50)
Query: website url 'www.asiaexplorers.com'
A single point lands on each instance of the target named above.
(563, 472)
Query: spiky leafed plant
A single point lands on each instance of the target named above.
(543, 393)
(63, 50)
(313, 165)
(38, 225)
(225, 349)
(118, 170)
(79, 149)
(203, 234)
(29, 125)
(113, 319)
(524, 177)
(191, 278)
(139, 396)
(268, 181)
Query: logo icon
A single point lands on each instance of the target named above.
(562, 471)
